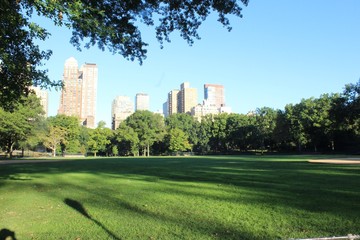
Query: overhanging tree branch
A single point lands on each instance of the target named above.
(108, 24)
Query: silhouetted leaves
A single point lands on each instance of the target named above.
(112, 25)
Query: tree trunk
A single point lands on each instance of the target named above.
(148, 150)
(54, 150)
(94, 154)
(332, 145)
(299, 147)
(11, 150)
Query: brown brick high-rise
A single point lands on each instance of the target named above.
(78, 97)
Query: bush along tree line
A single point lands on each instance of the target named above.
(330, 123)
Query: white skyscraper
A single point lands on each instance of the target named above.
(142, 101)
(122, 107)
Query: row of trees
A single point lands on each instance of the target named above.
(330, 123)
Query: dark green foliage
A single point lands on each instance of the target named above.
(325, 124)
(329, 123)
(19, 124)
(149, 127)
(54, 137)
(178, 140)
(265, 122)
(345, 115)
(126, 140)
(98, 138)
(71, 125)
(114, 24)
(186, 123)
(20, 57)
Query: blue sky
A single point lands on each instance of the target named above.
(278, 53)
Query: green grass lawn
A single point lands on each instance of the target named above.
(222, 197)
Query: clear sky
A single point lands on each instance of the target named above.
(278, 53)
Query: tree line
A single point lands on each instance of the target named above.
(329, 123)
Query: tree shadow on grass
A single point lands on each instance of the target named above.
(200, 225)
(267, 181)
(80, 209)
(6, 234)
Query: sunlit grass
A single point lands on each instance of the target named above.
(222, 197)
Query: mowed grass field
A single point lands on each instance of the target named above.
(215, 197)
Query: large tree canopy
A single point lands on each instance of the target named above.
(149, 127)
(19, 56)
(18, 125)
(110, 24)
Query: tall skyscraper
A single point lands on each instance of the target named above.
(122, 107)
(142, 101)
(172, 102)
(70, 101)
(89, 77)
(187, 98)
(214, 94)
(165, 109)
(78, 97)
(44, 100)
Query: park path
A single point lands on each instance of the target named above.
(331, 161)
(337, 161)
(4, 162)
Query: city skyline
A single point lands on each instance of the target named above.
(78, 97)
(272, 57)
(184, 100)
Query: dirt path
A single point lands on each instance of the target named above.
(4, 162)
(329, 161)
(337, 161)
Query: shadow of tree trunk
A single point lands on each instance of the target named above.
(80, 209)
